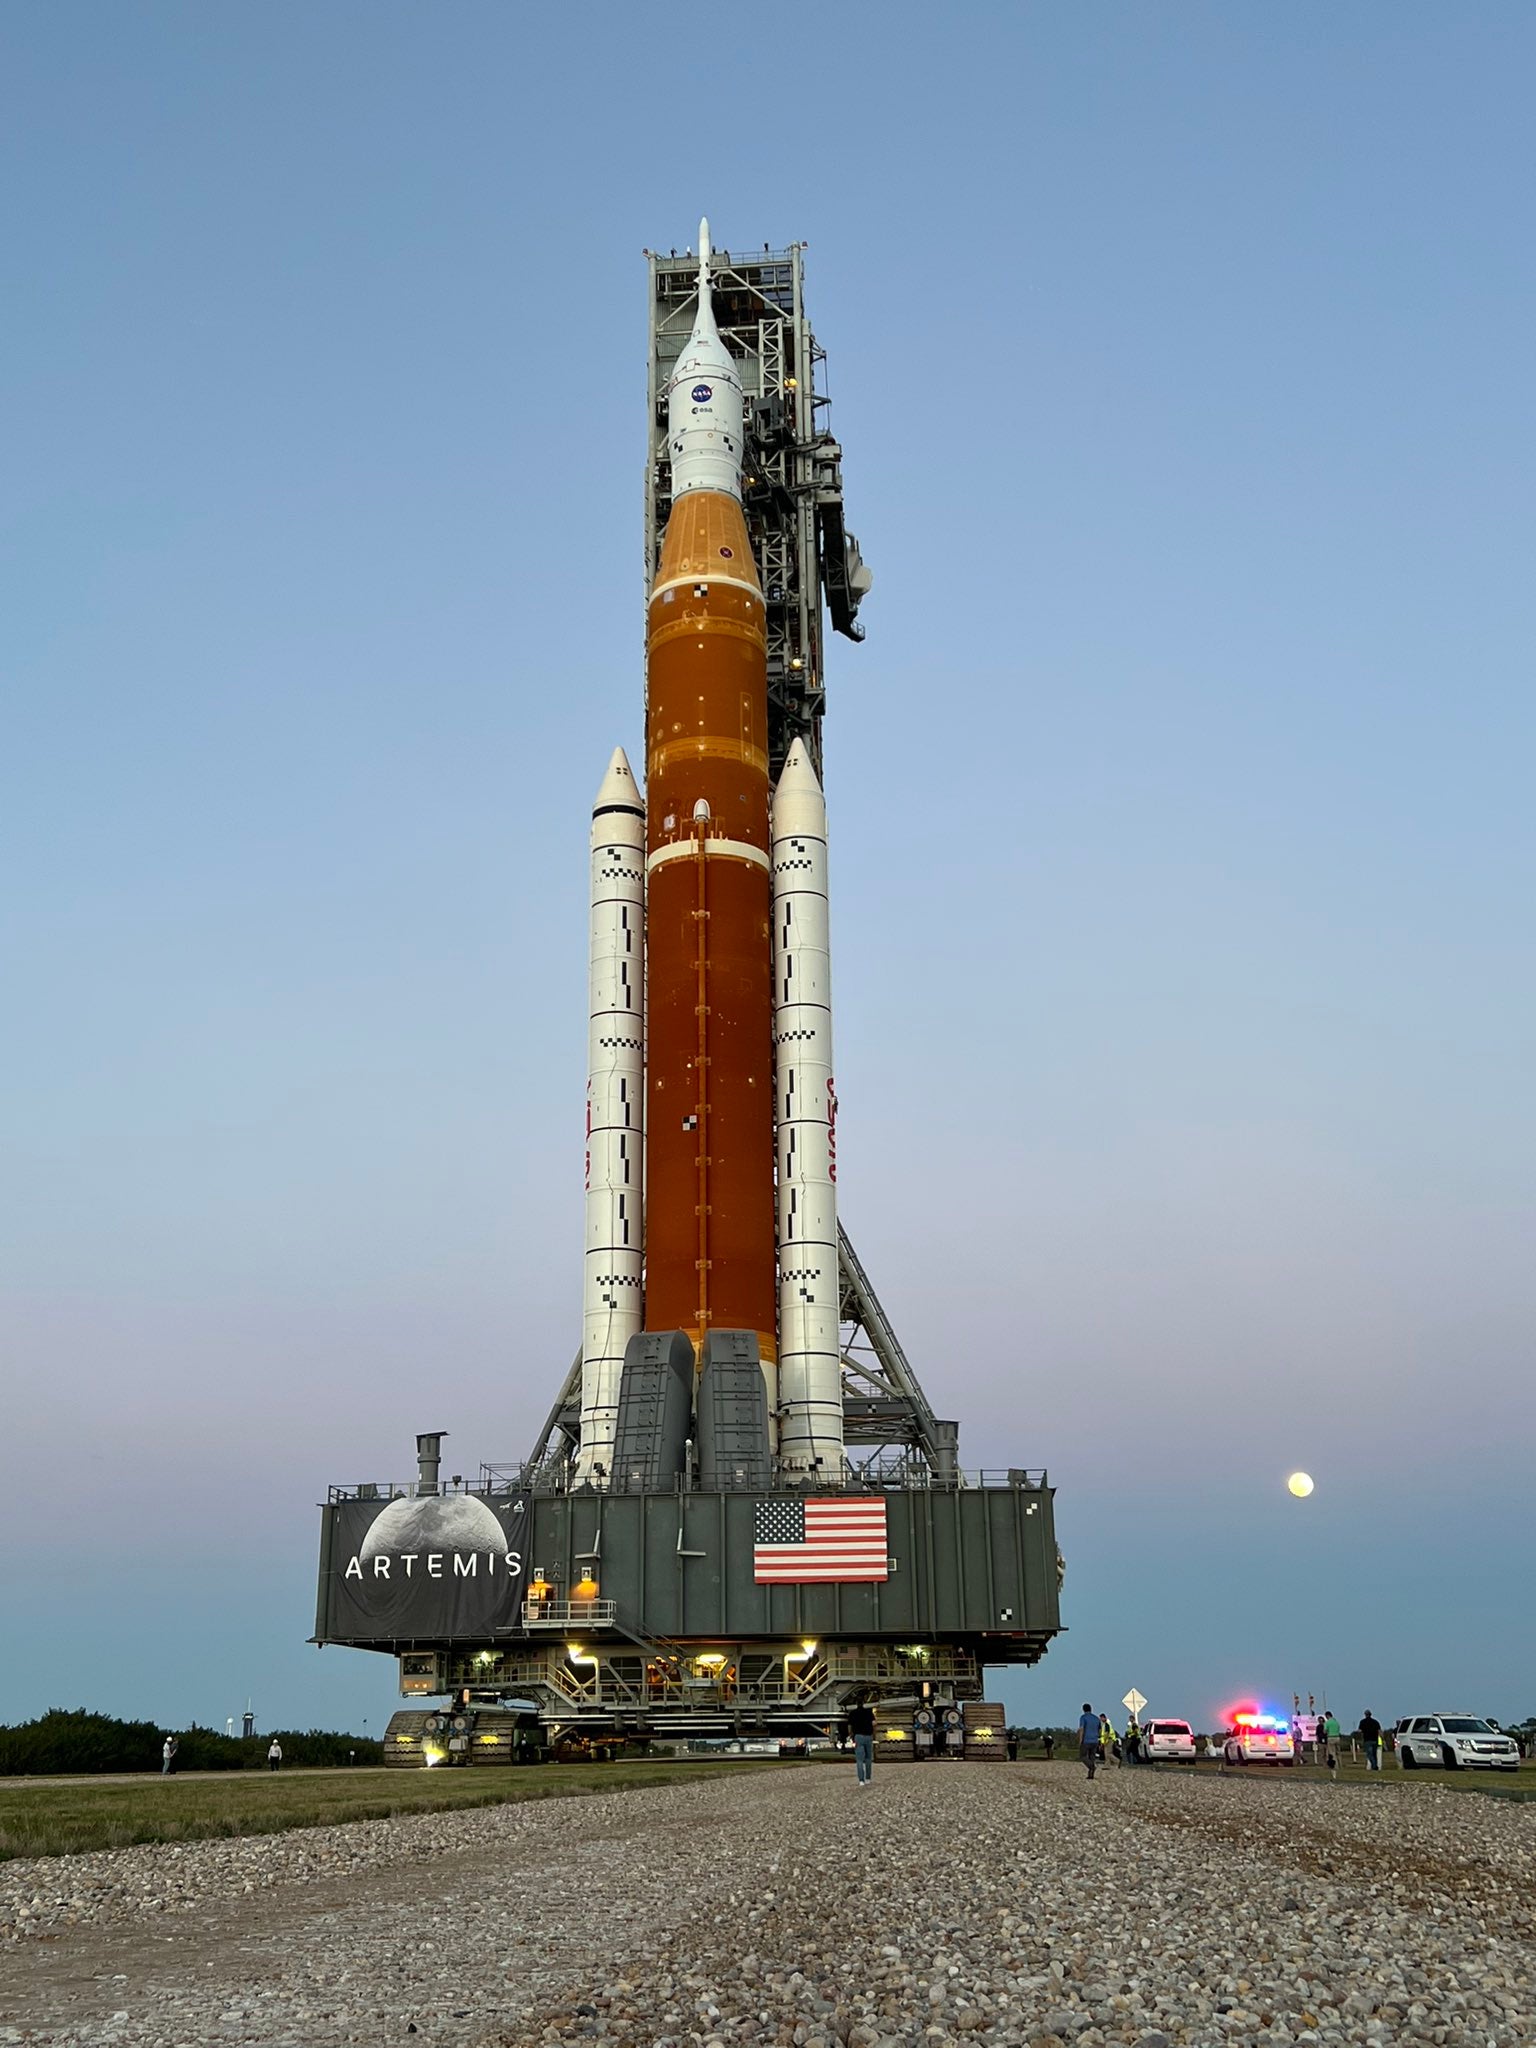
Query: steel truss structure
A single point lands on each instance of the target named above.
(676, 1692)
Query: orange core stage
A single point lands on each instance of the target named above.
(710, 1249)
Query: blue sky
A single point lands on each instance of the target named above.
(1182, 848)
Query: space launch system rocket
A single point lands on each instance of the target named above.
(742, 1512)
(711, 1222)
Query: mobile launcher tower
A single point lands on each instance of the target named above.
(742, 1512)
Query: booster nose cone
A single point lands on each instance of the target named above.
(704, 402)
(618, 790)
(798, 804)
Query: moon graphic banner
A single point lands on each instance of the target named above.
(423, 1568)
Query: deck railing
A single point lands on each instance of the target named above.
(497, 1481)
(569, 1614)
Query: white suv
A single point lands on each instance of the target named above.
(1168, 1742)
(1453, 1742)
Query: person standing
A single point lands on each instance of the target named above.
(1090, 1738)
(861, 1726)
(1133, 1741)
(275, 1755)
(168, 1756)
(1370, 1735)
(1328, 1735)
(1050, 1745)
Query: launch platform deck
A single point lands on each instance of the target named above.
(650, 1611)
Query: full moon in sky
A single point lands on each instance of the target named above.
(1300, 1484)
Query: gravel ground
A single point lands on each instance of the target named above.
(1014, 1903)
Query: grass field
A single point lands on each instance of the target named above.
(50, 1818)
(1519, 1784)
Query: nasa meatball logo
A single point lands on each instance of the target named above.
(703, 393)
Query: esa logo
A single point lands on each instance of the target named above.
(703, 393)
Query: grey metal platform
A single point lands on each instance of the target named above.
(640, 1611)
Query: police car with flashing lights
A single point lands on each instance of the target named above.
(1260, 1739)
(1454, 1742)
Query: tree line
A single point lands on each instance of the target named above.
(74, 1741)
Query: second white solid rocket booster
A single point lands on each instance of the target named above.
(613, 1268)
(810, 1355)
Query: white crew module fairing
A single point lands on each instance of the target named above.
(704, 402)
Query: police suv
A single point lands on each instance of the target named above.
(1453, 1742)
(1260, 1739)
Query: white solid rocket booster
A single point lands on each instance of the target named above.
(613, 1270)
(810, 1358)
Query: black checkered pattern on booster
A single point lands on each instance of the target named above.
(780, 1521)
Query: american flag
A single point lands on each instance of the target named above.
(804, 1542)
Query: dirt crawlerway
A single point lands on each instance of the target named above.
(944, 1904)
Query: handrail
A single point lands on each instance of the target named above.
(568, 1614)
(497, 1480)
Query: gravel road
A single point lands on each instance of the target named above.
(1011, 1903)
